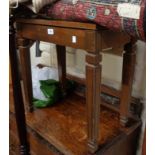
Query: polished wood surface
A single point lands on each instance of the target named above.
(61, 36)
(17, 93)
(93, 100)
(93, 90)
(129, 58)
(38, 145)
(93, 40)
(85, 36)
(25, 61)
(61, 59)
(67, 24)
(64, 125)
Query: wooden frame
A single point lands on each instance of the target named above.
(17, 93)
(91, 38)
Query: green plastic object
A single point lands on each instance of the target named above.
(52, 92)
(42, 103)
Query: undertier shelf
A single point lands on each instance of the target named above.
(64, 126)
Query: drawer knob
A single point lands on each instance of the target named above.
(50, 31)
(74, 39)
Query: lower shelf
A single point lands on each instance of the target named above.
(64, 126)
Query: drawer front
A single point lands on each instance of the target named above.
(76, 38)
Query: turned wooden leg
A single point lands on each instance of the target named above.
(93, 90)
(25, 62)
(61, 57)
(17, 93)
(127, 80)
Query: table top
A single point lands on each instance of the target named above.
(86, 34)
(59, 23)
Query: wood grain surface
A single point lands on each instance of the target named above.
(64, 126)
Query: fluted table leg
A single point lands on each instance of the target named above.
(129, 58)
(93, 86)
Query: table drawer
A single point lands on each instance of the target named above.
(76, 38)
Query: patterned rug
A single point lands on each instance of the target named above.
(106, 13)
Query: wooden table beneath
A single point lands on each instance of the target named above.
(86, 36)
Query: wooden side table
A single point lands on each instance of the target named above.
(86, 36)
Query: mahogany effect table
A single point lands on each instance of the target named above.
(86, 36)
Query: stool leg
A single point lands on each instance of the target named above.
(61, 57)
(25, 62)
(17, 93)
(127, 80)
(93, 90)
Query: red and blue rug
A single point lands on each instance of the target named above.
(102, 12)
